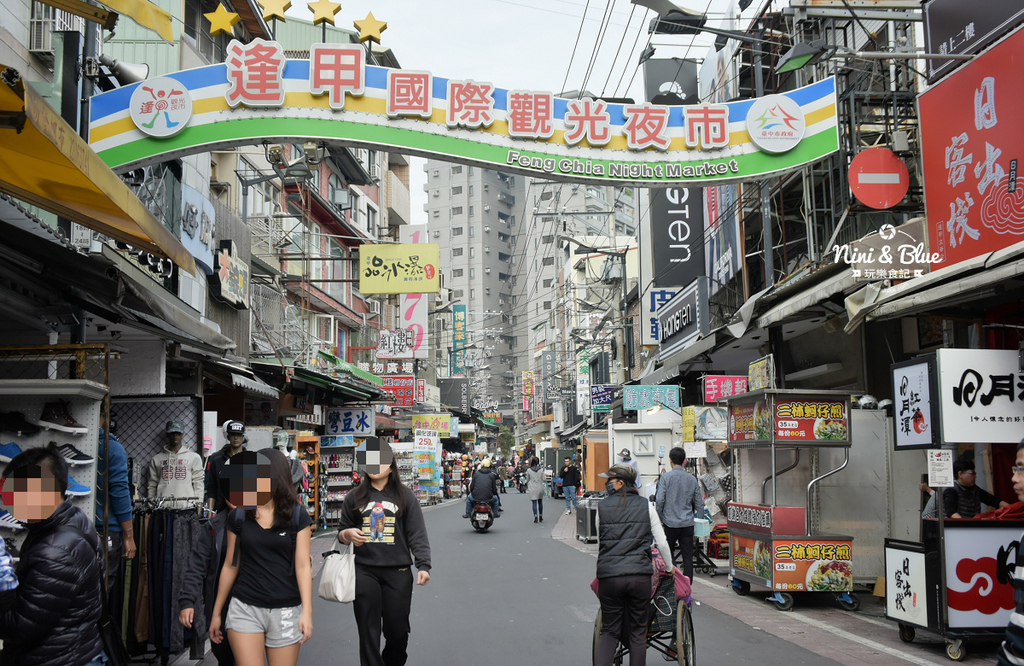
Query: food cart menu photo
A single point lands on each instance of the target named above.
(813, 420)
(796, 565)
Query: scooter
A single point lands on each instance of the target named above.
(482, 516)
(521, 482)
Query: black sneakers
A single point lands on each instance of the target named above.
(15, 422)
(57, 417)
(73, 455)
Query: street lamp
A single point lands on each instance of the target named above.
(802, 54)
(658, 406)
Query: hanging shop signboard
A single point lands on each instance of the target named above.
(412, 308)
(723, 386)
(458, 357)
(645, 397)
(399, 268)
(982, 396)
(455, 393)
(958, 27)
(601, 397)
(257, 95)
(441, 423)
(421, 390)
(971, 125)
(915, 404)
(198, 227)
(402, 389)
(355, 421)
(395, 344)
(684, 318)
(761, 374)
(527, 383)
(547, 376)
(232, 280)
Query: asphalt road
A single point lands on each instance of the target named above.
(516, 597)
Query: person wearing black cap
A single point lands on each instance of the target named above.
(234, 433)
(177, 471)
(626, 523)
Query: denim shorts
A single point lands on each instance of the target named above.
(279, 625)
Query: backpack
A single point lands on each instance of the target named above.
(238, 518)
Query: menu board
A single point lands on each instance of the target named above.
(811, 420)
(741, 422)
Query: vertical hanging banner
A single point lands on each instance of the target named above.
(413, 307)
(547, 376)
(458, 363)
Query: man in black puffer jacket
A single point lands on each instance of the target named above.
(54, 617)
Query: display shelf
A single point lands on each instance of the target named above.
(338, 468)
(308, 447)
(53, 388)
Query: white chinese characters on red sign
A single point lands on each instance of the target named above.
(409, 93)
(337, 69)
(723, 386)
(255, 73)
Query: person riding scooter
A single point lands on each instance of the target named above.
(483, 488)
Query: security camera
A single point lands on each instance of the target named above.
(275, 155)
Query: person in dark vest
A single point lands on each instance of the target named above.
(626, 523)
(964, 499)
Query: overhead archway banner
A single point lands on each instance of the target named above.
(258, 95)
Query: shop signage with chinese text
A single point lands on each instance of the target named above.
(723, 386)
(355, 421)
(958, 27)
(645, 397)
(421, 390)
(395, 344)
(906, 591)
(808, 419)
(761, 373)
(741, 422)
(971, 125)
(601, 397)
(442, 423)
(982, 396)
(527, 382)
(399, 268)
(412, 308)
(232, 281)
(402, 389)
(459, 313)
(915, 404)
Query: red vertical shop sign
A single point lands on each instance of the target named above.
(401, 388)
(972, 127)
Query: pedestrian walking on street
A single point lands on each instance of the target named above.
(626, 523)
(383, 519)
(51, 616)
(535, 486)
(679, 500)
(267, 570)
(570, 482)
(502, 477)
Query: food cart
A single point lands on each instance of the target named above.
(776, 546)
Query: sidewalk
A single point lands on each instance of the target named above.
(816, 623)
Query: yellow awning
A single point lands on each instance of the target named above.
(44, 162)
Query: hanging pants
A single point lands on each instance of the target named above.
(383, 599)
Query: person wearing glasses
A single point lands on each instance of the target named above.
(964, 499)
(1011, 652)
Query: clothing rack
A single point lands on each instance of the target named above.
(150, 504)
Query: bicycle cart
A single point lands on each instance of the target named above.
(670, 631)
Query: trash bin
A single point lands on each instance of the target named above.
(586, 519)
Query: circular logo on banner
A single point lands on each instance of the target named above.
(775, 123)
(161, 107)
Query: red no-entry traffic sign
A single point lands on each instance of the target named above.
(879, 178)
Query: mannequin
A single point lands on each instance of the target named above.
(281, 441)
(176, 471)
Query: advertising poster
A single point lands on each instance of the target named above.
(711, 423)
(812, 565)
(741, 422)
(399, 268)
(811, 420)
(753, 558)
(905, 583)
(971, 125)
(977, 595)
(916, 408)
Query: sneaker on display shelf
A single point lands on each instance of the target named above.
(9, 522)
(15, 422)
(73, 455)
(76, 489)
(8, 451)
(12, 550)
(55, 415)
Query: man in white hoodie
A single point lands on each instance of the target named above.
(176, 471)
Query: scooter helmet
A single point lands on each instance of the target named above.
(868, 402)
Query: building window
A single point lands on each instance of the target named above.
(456, 293)
(457, 210)
(457, 252)
(472, 294)
(547, 305)
(549, 239)
(470, 190)
(471, 211)
(457, 231)
(546, 194)
(547, 283)
(198, 28)
(472, 273)
(457, 273)
(487, 291)
(457, 168)
(548, 261)
(371, 221)
(472, 232)
(472, 252)
(457, 190)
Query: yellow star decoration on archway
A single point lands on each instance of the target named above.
(222, 20)
(275, 9)
(324, 11)
(370, 28)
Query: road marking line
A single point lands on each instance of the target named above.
(878, 178)
(866, 642)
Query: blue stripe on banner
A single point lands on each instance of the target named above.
(117, 101)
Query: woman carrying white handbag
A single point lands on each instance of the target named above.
(382, 519)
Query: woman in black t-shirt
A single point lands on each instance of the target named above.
(267, 571)
(383, 519)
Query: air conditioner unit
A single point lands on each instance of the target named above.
(437, 232)
(486, 187)
(487, 269)
(374, 172)
(435, 172)
(437, 193)
(487, 230)
(487, 209)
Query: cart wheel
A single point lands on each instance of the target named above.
(907, 633)
(686, 646)
(956, 650)
(786, 602)
(577, 537)
(740, 587)
(597, 636)
(852, 604)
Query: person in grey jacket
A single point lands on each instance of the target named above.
(535, 486)
(679, 500)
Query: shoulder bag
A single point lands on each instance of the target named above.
(338, 578)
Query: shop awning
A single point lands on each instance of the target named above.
(808, 298)
(670, 366)
(257, 386)
(44, 162)
(350, 369)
